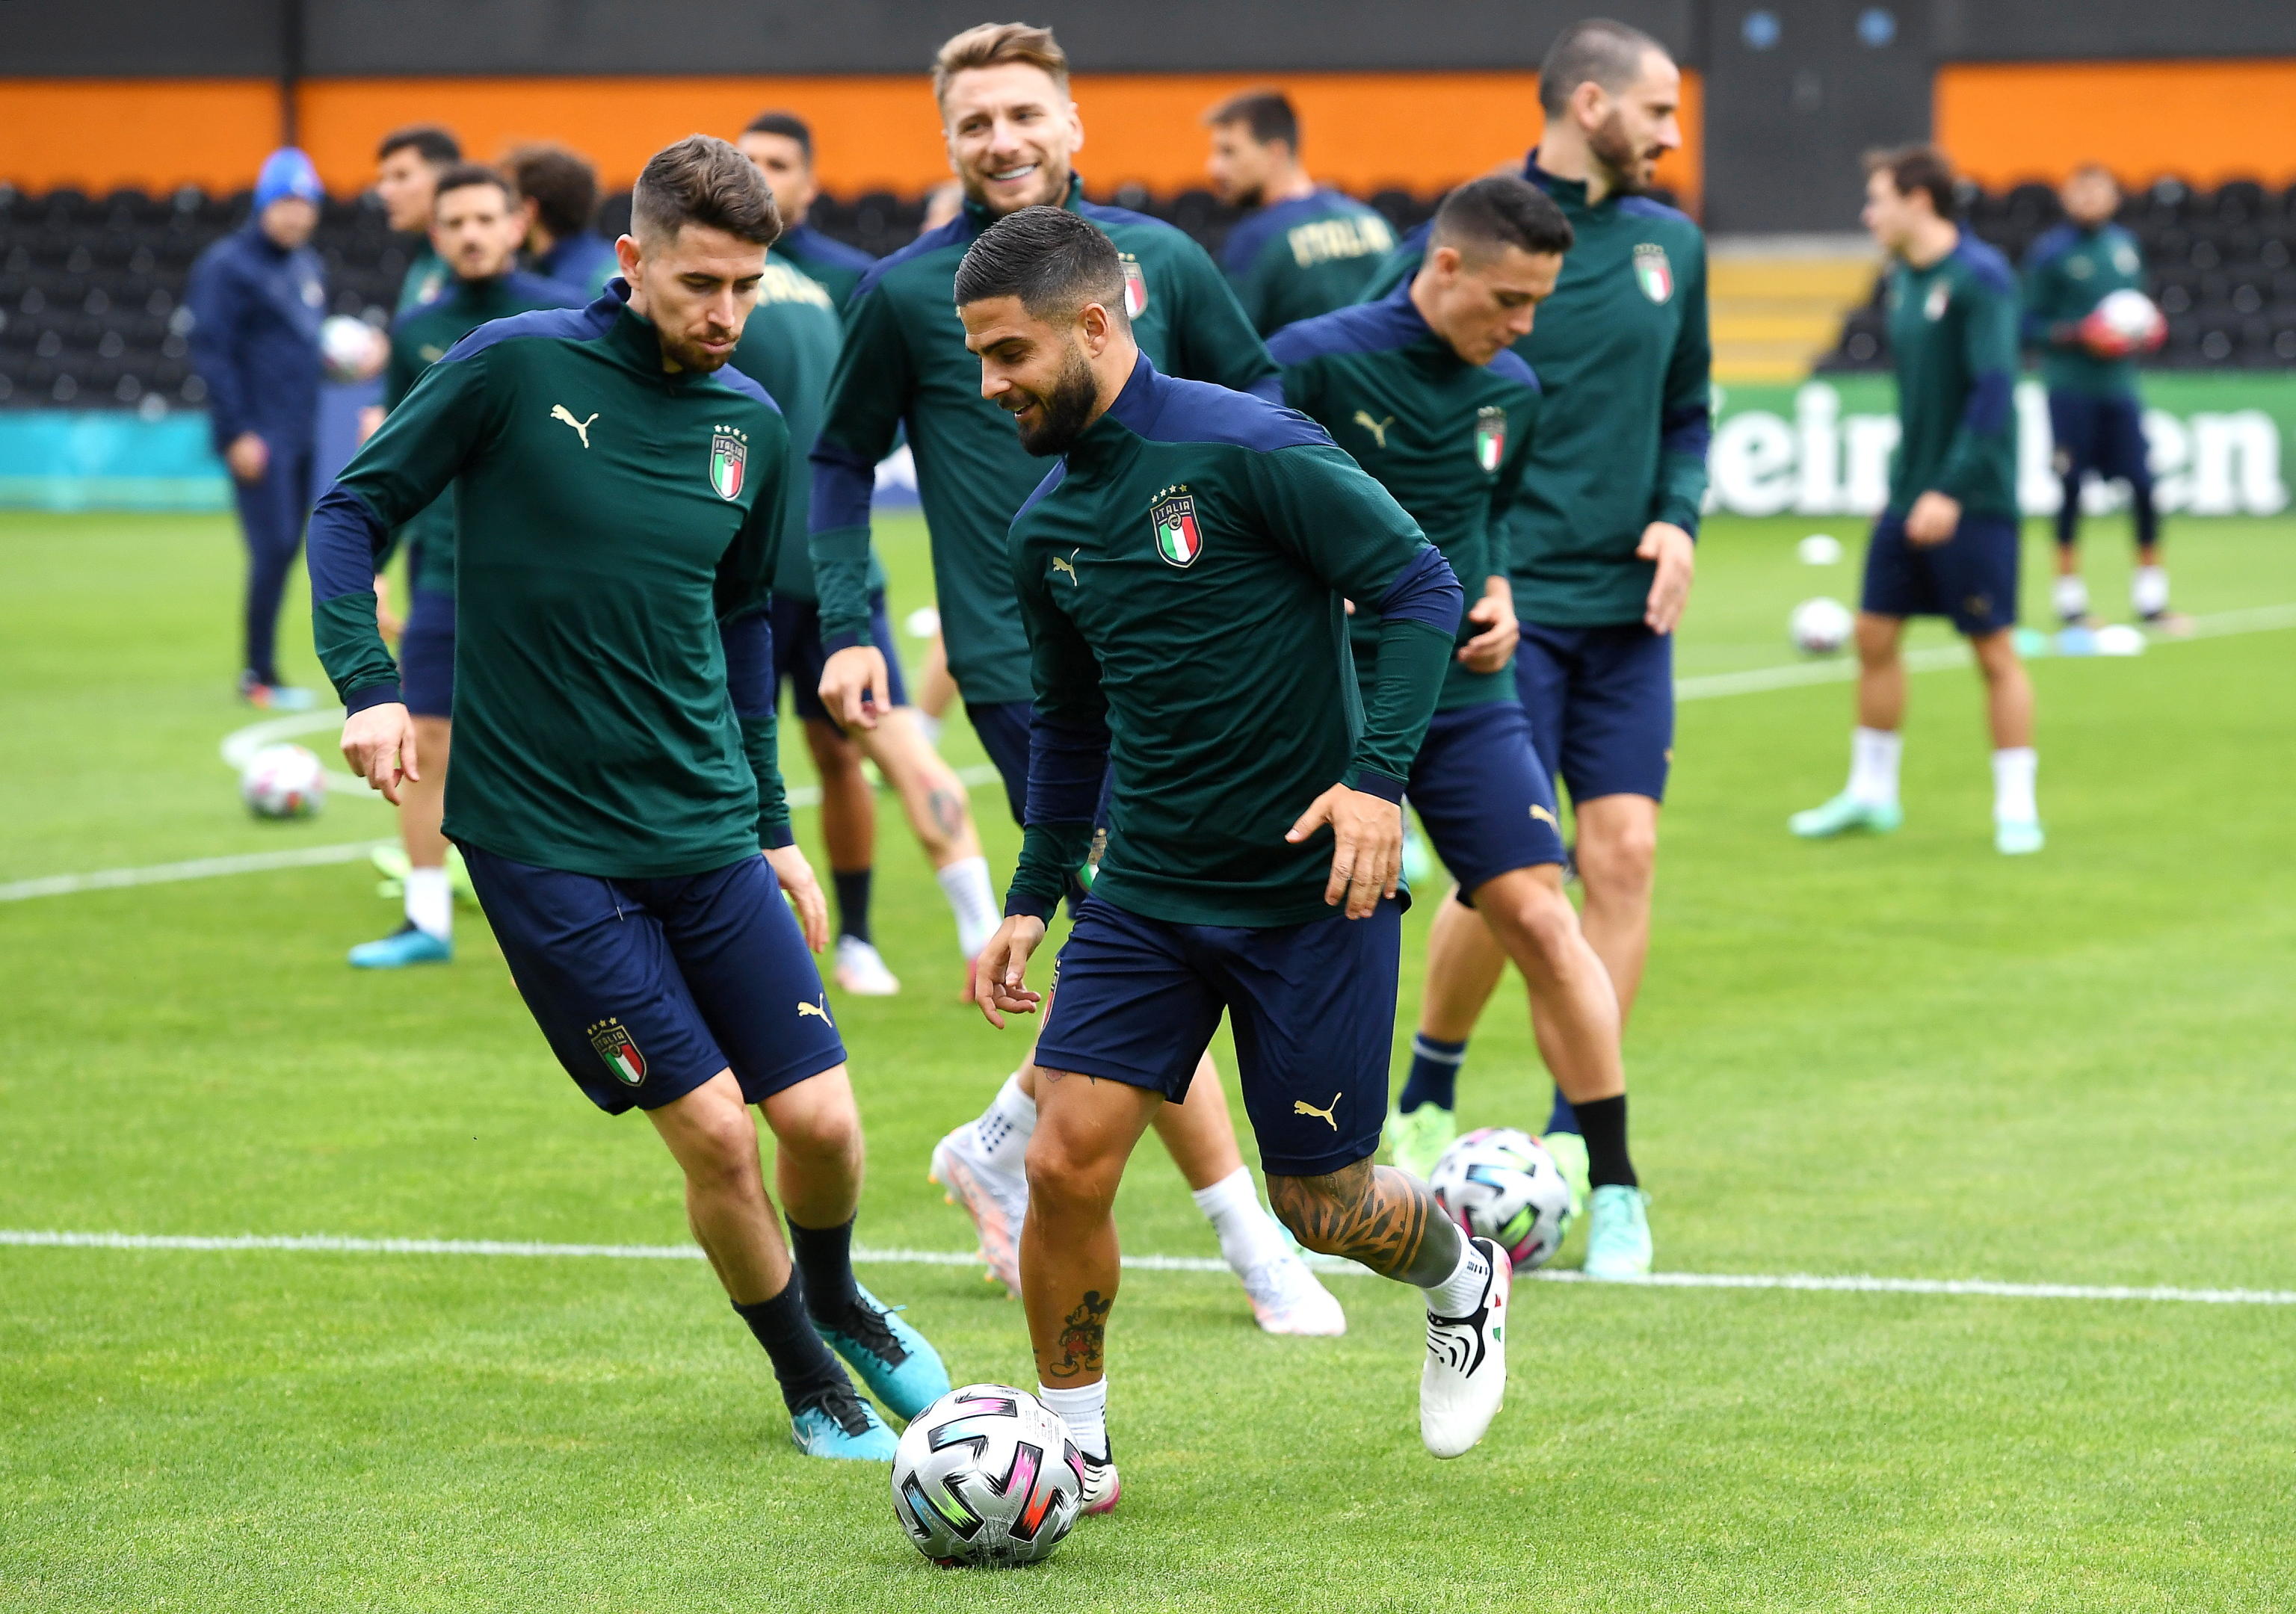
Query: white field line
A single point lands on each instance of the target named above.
(329, 1244)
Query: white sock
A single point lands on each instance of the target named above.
(430, 903)
(1006, 1127)
(1247, 1236)
(2070, 595)
(965, 884)
(1085, 1412)
(2148, 591)
(1873, 754)
(2012, 784)
(930, 726)
(1459, 1294)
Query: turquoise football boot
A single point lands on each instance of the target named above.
(1844, 813)
(1618, 1233)
(895, 1361)
(842, 1426)
(2017, 837)
(407, 945)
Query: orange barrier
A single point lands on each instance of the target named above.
(98, 134)
(2203, 121)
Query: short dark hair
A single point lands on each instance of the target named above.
(1051, 260)
(462, 176)
(1268, 114)
(789, 125)
(1918, 167)
(561, 183)
(433, 143)
(701, 180)
(1501, 210)
(1598, 51)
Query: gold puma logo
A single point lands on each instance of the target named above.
(820, 1010)
(1543, 816)
(559, 412)
(1068, 566)
(1378, 429)
(1301, 1106)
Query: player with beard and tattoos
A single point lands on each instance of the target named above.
(1012, 133)
(1181, 573)
(1601, 547)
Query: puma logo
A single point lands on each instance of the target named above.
(559, 412)
(1378, 429)
(1301, 1106)
(820, 1010)
(1068, 566)
(1543, 816)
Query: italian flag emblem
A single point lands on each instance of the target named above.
(1177, 537)
(615, 1047)
(1652, 272)
(1135, 286)
(1490, 437)
(729, 454)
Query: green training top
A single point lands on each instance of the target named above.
(1180, 574)
(827, 259)
(1447, 439)
(618, 526)
(904, 361)
(2067, 273)
(1953, 334)
(1305, 257)
(419, 338)
(1622, 356)
(426, 276)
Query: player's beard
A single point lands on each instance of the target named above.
(691, 356)
(1621, 159)
(1067, 408)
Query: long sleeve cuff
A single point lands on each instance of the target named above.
(1050, 855)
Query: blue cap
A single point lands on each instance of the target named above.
(288, 172)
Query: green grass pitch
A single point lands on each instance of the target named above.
(1905, 1057)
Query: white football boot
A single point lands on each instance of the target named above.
(1101, 1485)
(861, 970)
(1465, 1377)
(995, 1199)
(1287, 1299)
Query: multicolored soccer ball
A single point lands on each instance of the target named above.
(1820, 627)
(283, 782)
(351, 349)
(1500, 1183)
(987, 1476)
(2125, 321)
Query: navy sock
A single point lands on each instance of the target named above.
(2148, 516)
(1434, 1077)
(852, 902)
(1603, 1122)
(1563, 1118)
(802, 1362)
(2069, 510)
(824, 1261)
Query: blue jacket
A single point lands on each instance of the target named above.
(585, 260)
(256, 310)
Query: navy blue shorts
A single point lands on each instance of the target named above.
(1486, 799)
(798, 655)
(426, 654)
(2101, 435)
(647, 988)
(1600, 702)
(1971, 577)
(1313, 1005)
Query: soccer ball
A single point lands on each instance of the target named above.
(283, 782)
(1819, 627)
(351, 349)
(2125, 322)
(987, 1476)
(1501, 1184)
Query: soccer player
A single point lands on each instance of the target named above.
(2096, 415)
(1946, 544)
(1424, 389)
(560, 193)
(1305, 248)
(476, 227)
(406, 169)
(1012, 132)
(788, 348)
(1601, 547)
(1181, 573)
(781, 144)
(257, 299)
(618, 499)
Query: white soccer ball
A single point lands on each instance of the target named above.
(987, 1476)
(283, 782)
(1501, 1184)
(351, 349)
(2120, 639)
(1820, 627)
(1819, 549)
(2133, 317)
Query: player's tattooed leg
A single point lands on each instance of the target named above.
(1372, 1214)
(1083, 1340)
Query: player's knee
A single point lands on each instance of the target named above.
(1318, 1211)
(1621, 857)
(1546, 927)
(721, 1157)
(1063, 1184)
